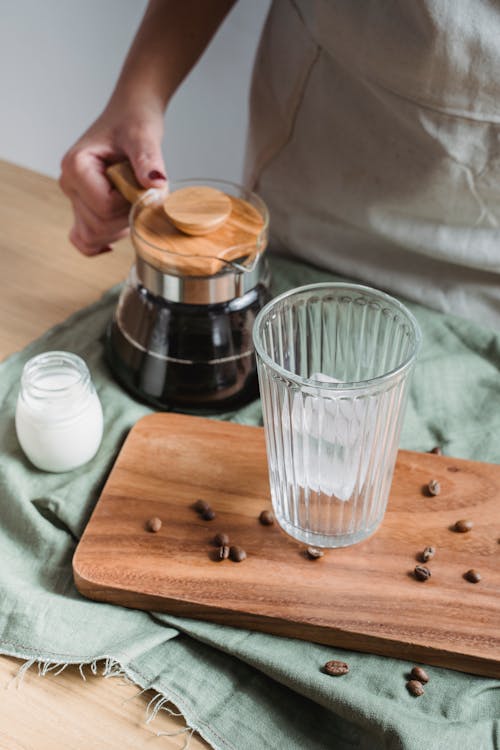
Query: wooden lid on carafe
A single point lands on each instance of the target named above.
(240, 236)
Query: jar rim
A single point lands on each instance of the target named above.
(35, 367)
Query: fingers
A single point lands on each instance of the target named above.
(101, 213)
(102, 230)
(100, 210)
(143, 148)
(90, 233)
(83, 240)
(83, 174)
(81, 244)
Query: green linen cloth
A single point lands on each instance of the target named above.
(240, 690)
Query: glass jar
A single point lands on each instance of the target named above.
(59, 421)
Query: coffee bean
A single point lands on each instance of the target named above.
(428, 553)
(201, 506)
(221, 539)
(208, 514)
(415, 687)
(153, 524)
(473, 576)
(336, 668)
(223, 552)
(436, 450)
(237, 554)
(266, 518)
(463, 526)
(422, 573)
(313, 553)
(419, 674)
(433, 488)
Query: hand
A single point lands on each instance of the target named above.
(169, 41)
(100, 212)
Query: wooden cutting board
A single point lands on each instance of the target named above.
(363, 597)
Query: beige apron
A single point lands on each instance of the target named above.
(375, 140)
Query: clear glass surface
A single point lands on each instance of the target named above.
(334, 362)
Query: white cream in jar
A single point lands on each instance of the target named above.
(59, 420)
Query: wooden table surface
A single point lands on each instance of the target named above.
(44, 280)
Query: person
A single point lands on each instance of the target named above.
(374, 139)
(169, 41)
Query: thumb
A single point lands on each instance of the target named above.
(144, 152)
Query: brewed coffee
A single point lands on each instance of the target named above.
(186, 357)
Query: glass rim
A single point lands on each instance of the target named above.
(52, 358)
(344, 385)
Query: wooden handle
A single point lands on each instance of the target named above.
(123, 178)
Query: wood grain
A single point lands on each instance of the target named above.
(198, 209)
(167, 247)
(44, 280)
(123, 178)
(363, 597)
(63, 711)
(169, 250)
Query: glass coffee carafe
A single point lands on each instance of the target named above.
(181, 335)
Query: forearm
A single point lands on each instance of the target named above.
(171, 38)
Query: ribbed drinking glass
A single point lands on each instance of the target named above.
(334, 362)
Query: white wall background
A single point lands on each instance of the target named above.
(59, 60)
